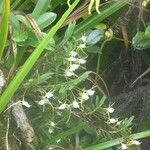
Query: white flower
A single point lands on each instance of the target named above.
(25, 104)
(49, 94)
(75, 104)
(90, 92)
(119, 122)
(73, 59)
(113, 120)
(82, 46)
(69, 73)
(74, 67)
(50, 130)
(82, 61)
(61, 107)
(136, 142)
(58, 141)
(73, 53)
(43, 101)
(84, 96)
(83, 38)
(110, 109)
(52, 124)
(124, 146)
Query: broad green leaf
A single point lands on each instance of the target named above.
(95, 36)
(24, 20)
(20, 35)
(93, 49)
(140, 41)
(40, 8)
(46, 19)
(14, 21)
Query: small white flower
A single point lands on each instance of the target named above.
(83, 38)
(113, 120)
(58, 141)
(61, 107)
(50, 130)
(82, 61)
(110, 109)
(41, 102)
(74, 67)
(136, 142)
(26, 104)
(119, 122)
(49, 94)
(73, 53)
(124, 146)
(75, 104)
(90, 92)
(82, 46)
(69, 73)
(73, 59)
(84, 96)
(52, 124)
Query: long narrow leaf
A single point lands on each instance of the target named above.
(96, 18)
(13, 86)
(117, 141)
(4, 26)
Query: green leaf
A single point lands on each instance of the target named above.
(4, 26)
(39, 80)
(20, 35)
(40, 8)
(69, 31)
(71, 84)
(46, 19)
(65, 134)
(14, 21)
(95, 36)
(94, 19)
(24, 20)
(141, 41)
(93, 49)
(117, 141)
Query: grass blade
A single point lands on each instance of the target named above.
(4, 26)
(96, 18)
(117, 141)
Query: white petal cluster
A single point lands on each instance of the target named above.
(123, 146)
(110, 109)
(113, 120)
(49, 94)
(74, 63)
(75, 104)
(135, 142)
(84, 96)
(62, 107)
(90, 92)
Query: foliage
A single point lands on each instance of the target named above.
(59, 77)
